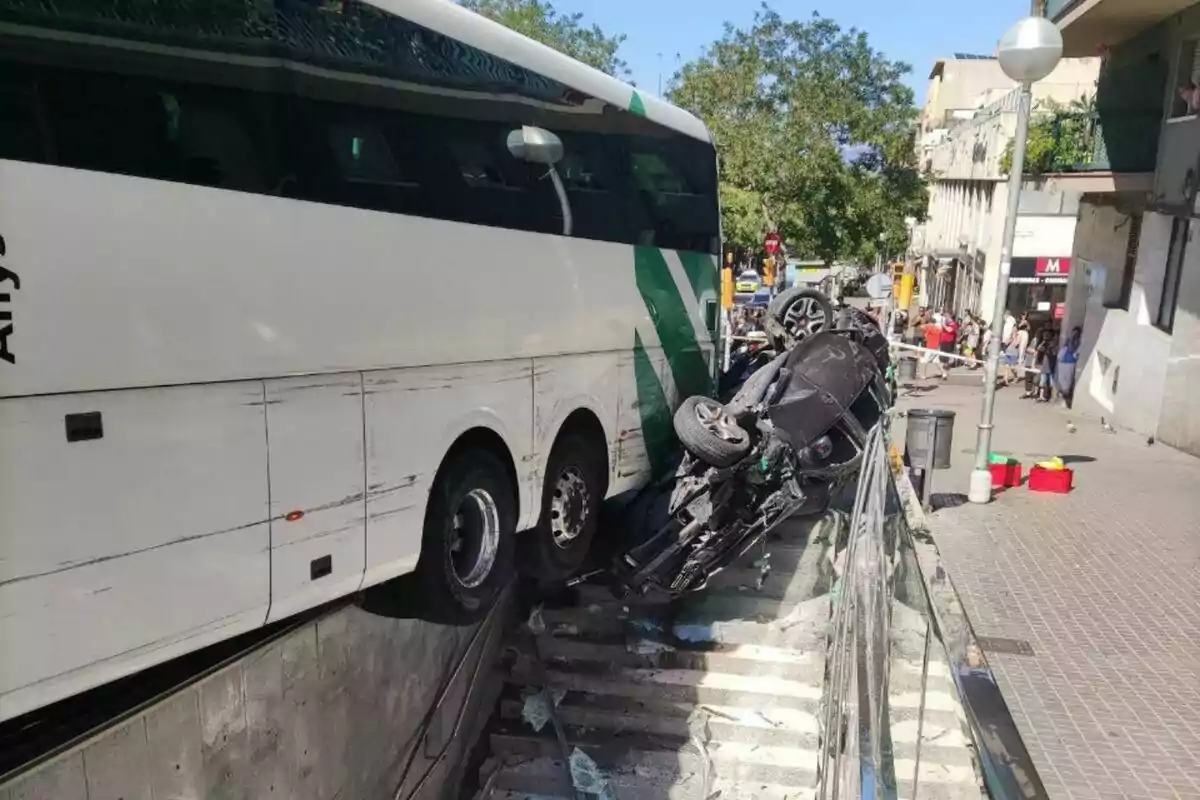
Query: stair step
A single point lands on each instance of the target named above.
(545, 778)
(651, 651)
(733, 761)
(708, 619)
(681, 685)
(776, 726)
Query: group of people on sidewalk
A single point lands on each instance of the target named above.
(1039, 357)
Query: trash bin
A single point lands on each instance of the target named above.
(929, 428)
(907, 369)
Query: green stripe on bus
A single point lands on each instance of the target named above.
(658, 430)
(672, 321)
(701, 271)
(637, 106)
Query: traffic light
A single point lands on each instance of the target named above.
(727, 288)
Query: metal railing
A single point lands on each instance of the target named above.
(893, 611)
(1101, 142)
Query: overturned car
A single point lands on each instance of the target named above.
(789, 438)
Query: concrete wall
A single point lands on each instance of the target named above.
(331, 711)
(1179, 422)
(1123, 357)
(957, 84)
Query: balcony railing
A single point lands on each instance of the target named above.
(1090, 142)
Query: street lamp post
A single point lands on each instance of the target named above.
(1028, 52)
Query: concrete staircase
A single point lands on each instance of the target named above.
(722, 695)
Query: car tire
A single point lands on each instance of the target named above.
(709, 433)
(779, 323)
(468, 541)
(572, 493)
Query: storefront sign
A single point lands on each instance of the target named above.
(1040, 270)
(1053, 268)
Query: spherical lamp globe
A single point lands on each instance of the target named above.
(1030, 50)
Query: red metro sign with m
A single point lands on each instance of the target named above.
(1053, 267)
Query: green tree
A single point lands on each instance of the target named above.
(814, 131)
(1062, 137)
(567, 33)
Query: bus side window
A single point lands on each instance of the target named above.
(675, 201)
(213, 140)
(21, 134)
(110, 123)
(494, 188)
(593, 187)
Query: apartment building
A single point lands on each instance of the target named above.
(959, 244)
(957, 85)
(1134, 288)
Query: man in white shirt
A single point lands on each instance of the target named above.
(1010, 326)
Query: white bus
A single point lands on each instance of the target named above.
(299, 296)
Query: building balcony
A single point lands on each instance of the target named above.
(1090, 25)
(1098, 152)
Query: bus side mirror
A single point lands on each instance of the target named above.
(535, 145)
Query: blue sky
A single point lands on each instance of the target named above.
(914, 31)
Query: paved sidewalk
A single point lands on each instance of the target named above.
(1103, 584)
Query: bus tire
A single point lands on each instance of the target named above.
(468, 541)
(572, 493)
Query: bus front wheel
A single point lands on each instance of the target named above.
(467, 546)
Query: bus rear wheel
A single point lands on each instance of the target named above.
(467, 546)
(571, 496)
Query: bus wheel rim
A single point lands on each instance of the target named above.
(475, 538)
(569, 507)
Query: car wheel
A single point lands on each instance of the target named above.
(709, 433)
(797, 314)
(468, 541)
(573, 490)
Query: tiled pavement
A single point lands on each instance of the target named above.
(1104, 583)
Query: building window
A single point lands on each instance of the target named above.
(1187, 80)
(1165, 318)
(1120, 298)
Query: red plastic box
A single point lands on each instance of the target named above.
(1050, 480)
(1005, 476)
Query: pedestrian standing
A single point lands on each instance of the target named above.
(947, 342)
(971, 340)
(1014, 352)
(1068, 359)
(1026, 354)
(932, 332)
(1049, 367)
